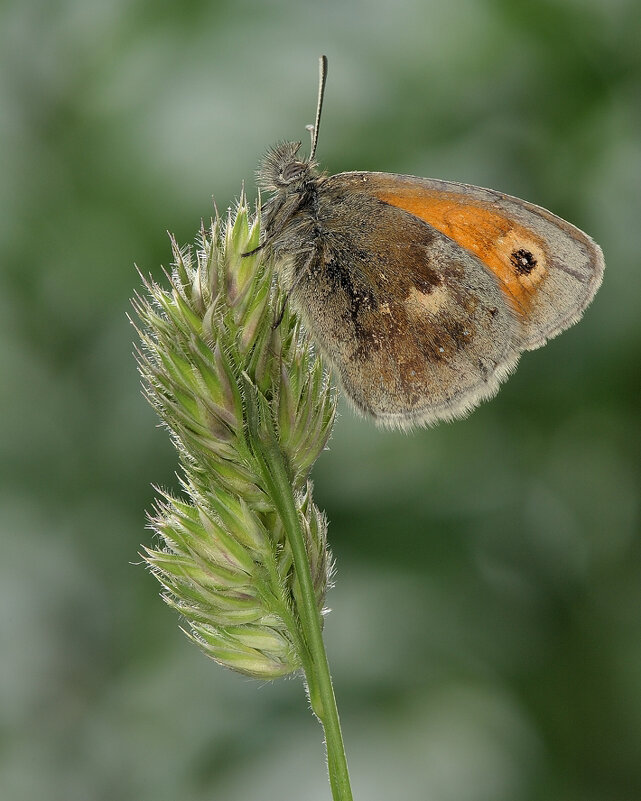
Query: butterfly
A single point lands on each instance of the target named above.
(421, 293)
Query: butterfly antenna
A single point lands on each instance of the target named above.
(322, 66)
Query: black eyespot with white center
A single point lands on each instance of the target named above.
(523, 261)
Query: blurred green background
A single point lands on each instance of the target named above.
(486, 628)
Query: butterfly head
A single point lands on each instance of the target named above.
(281, 170)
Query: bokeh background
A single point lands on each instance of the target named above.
(486, 628)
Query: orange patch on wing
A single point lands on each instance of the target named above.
(503, 245)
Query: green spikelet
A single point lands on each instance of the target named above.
(230, 387)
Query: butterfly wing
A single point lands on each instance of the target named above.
(416, 328)
(423, 293)
(547, 269)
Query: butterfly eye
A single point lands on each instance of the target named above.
(292, 171)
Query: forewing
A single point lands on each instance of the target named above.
(416, 327)
(547, 269)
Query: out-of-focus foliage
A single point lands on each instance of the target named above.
(486, 635)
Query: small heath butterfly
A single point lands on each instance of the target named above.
(421, 293)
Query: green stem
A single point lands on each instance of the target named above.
(321, 690)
